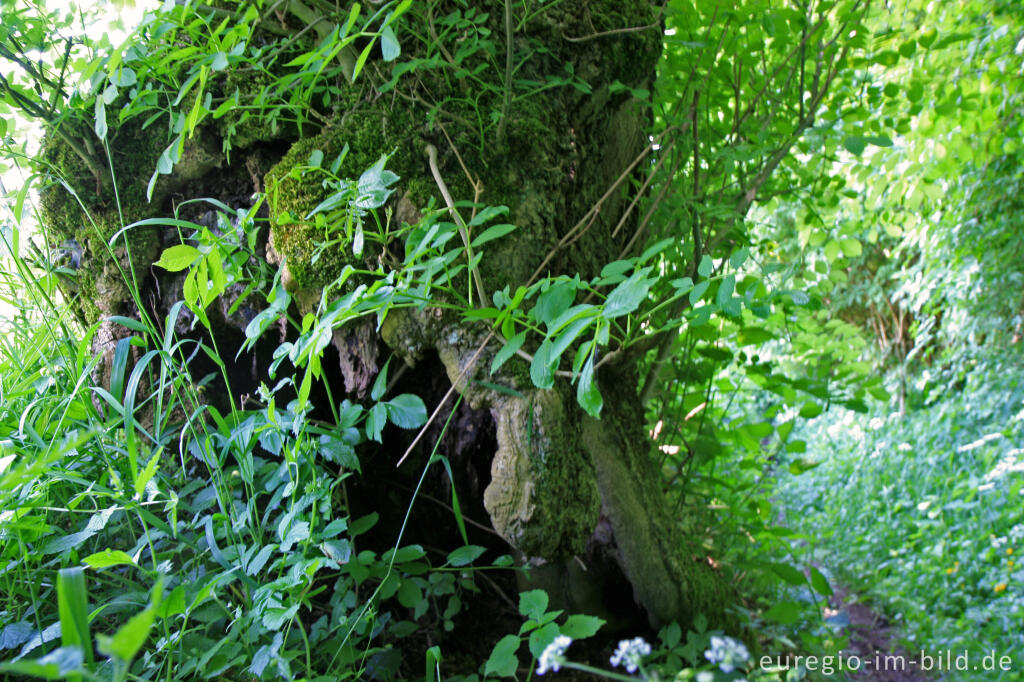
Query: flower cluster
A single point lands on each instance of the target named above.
(728, 653)
(553, 655)
(630, 653)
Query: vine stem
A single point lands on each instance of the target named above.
(460, 223)
(506, 105)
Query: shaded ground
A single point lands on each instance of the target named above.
(872, 642)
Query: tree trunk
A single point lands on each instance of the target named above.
(580, 498)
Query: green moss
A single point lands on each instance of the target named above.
(292, 195)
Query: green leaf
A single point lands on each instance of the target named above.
(316, 157)
(59, 664)
(108, 558)
(739, 257)
(492, 232)
(178, 257)
(832, 249)
(503, 661)
(788, 573)
(587, 393)
(554, 301)
(533, 604)
(855, 144)
(706, 266)
(220, 62)
(130, 637)
(507, 351)
(389, 47)
(543, 366)
(786, 613)
(820, 583)
(627, 296)
(851, 247)
(407, 411)
(73, 609)
(578, 626)
(488, 213)
(463, 556)
(101, 118)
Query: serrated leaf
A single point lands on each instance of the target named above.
(533, 604)
(579, 626)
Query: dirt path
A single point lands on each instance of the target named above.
(872, 642)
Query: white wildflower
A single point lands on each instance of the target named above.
(630, 652)
(553, 655)
(728, 653)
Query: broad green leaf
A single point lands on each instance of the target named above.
(851, 247)
(543, 366)
(503, 661)
(855, 144)
(706, 266)
(627, 296)
(389, 47)
(463, 556)
(492, 232)
(130, 637)
(108, 558)
(407, 411)
(579, 626)
(785, 613)
(533, 604)
(820, 583)
(178, 257)
(507, 351)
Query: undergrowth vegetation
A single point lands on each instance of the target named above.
(281, 399)
(922, 514)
